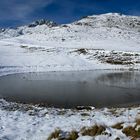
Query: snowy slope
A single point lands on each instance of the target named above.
(46, 46)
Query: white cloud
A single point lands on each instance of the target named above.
(20, 9)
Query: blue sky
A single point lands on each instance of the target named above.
(19, 12)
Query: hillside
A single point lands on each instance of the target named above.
(107, 41)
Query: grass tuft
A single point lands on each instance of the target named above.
(131, 132)
(118, 126)
(54, 135)
(59, 135)
(73, 135)
(93, 131)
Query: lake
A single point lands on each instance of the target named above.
(100, 88)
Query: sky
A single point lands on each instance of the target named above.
(14, 13)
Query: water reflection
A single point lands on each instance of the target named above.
(70, 89)
(121, 79)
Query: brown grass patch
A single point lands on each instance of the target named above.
(73, 135)
(93, 131)
(132, 132)
(118, 126)
(54, 135)
(137, 122)
(58, 134)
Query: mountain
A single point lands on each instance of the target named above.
(88, 43)
(110, 21)
(27, 29)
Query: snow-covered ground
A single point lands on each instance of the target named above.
(108, 41)
(22, 122)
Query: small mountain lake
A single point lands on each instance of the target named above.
(102, 88)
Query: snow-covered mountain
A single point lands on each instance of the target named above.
(110, 21)
(84, 44)
(27, 29)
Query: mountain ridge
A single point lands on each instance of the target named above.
(97, 27)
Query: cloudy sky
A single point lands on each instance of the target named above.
(19, 12)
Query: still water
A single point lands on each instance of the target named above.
(71, 89)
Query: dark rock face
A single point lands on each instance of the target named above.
(43, 22)
(2, 30)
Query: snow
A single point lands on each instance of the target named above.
(45, 48)
(19, 121)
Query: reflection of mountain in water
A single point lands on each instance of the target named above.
(121, 79)
(70, 89)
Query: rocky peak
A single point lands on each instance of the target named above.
(42, 22)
